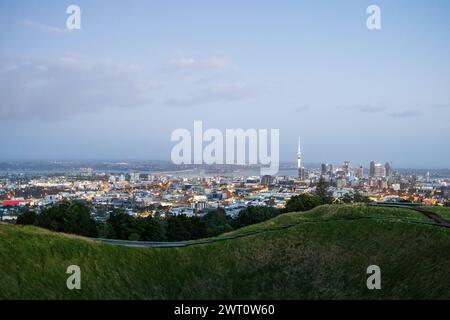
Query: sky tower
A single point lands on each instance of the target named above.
(301, 171)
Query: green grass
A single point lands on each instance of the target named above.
(320, 257)
(444, 212)
(330, 213)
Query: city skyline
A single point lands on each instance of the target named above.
(118, 87)
(298, 162)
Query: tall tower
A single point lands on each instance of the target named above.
(301, 171)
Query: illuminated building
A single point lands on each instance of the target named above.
(301, 170)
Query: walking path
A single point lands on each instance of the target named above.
(437, 221)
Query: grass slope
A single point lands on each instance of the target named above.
(319, 257)
(444, 212)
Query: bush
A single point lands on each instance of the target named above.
(69, 217)
(217, 222)
(181, 228)
(28, 217)
(121, 225)
(150, 229)
(252, 215)
(303, 202)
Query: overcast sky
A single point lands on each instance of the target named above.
(137, 70)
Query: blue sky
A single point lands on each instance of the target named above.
(137, 70)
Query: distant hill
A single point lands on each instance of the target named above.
(320, 254)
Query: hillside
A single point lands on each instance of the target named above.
(320, 254)
(444, 212)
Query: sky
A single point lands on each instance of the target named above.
(138, 70)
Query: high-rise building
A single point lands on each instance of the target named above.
(377, 170)
(380, 171)
(388, 168)
(372, 169)
(331, 169)
(346, 167)
(324, 169)
(360, 172)
(267, 180)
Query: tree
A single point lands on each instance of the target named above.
(121, 225)
(150, 229)
(197, 228)
(27, 218)
(69, 217)
(181, 228)
(252, 215)
(347, 198)
(359, 197)
(217, 222)
(322, 191)
(303, 202)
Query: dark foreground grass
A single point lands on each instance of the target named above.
(324, 259)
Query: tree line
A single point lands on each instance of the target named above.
(75, 218)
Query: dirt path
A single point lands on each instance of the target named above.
(432, 215)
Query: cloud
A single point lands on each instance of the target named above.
(371, 108)
(405, 114)
(183, 62)
(53, 89)
(44, 28)
(216, 62)
(216, 93)
(301, 109)
(441, 106)
(381, 108)
(186, 62)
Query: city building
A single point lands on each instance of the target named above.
(324, 169)
(388, 168)
(360, 172)
(377, 170)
